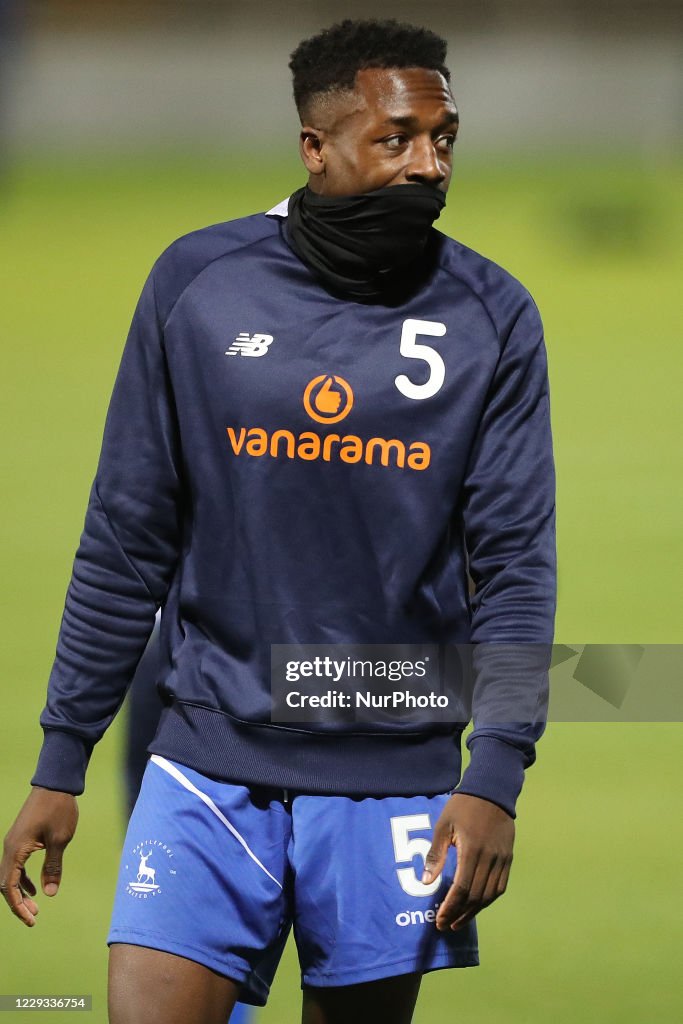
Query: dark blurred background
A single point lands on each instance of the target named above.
(573, 73)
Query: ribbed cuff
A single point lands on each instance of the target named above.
(495, 772)
(62, 762)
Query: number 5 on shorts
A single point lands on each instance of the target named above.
(406, 848)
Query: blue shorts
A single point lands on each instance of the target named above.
(218, 873)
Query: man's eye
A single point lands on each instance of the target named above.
(447, 142)
(395, 141)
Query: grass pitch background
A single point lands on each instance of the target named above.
(589, 928)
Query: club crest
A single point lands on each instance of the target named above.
(149, 868)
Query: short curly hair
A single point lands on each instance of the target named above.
(330, 61)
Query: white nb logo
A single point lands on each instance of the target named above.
(246, 344)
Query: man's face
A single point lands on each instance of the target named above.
(397, 127)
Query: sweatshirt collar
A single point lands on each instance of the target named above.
(280, 210)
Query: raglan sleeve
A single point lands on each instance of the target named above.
(509, 531)
(125, 560)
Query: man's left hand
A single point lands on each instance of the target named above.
(483, 835)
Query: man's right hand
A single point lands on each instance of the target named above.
(47, 821)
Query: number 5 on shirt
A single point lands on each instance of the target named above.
(412, 349)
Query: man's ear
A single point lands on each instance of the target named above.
(311, 149)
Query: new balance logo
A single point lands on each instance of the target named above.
(250, 344)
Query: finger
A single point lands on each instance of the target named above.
(9, 887)
(26, 883)
(492, 891)
(498, 883)
(485, 867)
(486, 899)
(51, 875)
(28, 889)
(30, 904)
(461, 921)
(457, 898)
(32, 908)
(504, 877)
(436, 858)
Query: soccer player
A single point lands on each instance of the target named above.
(325, 417)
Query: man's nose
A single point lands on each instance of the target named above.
(424, 165)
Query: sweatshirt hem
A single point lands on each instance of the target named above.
(393, 764)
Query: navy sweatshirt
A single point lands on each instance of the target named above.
(280, 465)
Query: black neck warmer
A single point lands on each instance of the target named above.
(361, 246)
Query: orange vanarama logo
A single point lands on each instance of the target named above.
(328, 398)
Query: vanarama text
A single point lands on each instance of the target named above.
(310, 446)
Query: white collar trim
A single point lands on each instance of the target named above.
(280, 210)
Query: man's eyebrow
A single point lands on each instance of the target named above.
(451, 118)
